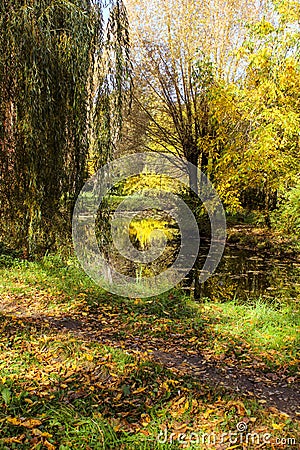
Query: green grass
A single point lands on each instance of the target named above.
(265, 330)
(55, 286)
(60, 391)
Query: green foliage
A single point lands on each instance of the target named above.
(287, 218)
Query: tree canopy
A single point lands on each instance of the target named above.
(218, 82)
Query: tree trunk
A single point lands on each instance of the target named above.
(197, 290)
(193, 158)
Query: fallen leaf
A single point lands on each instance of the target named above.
(14, 421)
(48, 445)
(278, 426)
(31, 423)
(17, 439)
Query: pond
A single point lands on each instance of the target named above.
(242, 273)
(251, 274)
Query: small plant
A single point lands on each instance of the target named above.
(6, 395)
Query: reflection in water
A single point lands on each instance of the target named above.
(249, 274)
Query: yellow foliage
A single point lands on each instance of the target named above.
(146, 231)
(146, 181)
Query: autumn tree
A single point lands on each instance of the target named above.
(259, 118)
(181, 51)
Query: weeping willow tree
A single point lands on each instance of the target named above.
(63, 74)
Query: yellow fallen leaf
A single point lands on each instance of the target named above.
(14, 420)
(180, 428)
(186, 406)
(208, 413)
(37, 432)
(141, 389)
(16, 440)
(278, 426)
(165, 386)
(239, 406)
(31, 423)
(144, 432)
(48, 445)
(146, 419)
(181, 400)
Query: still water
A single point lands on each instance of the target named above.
(246, 274)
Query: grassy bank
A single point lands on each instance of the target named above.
(64, 388)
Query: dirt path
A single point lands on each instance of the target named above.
(268, 388)
(271, 389)
(285, 397)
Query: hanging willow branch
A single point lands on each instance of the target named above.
(52, 109)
